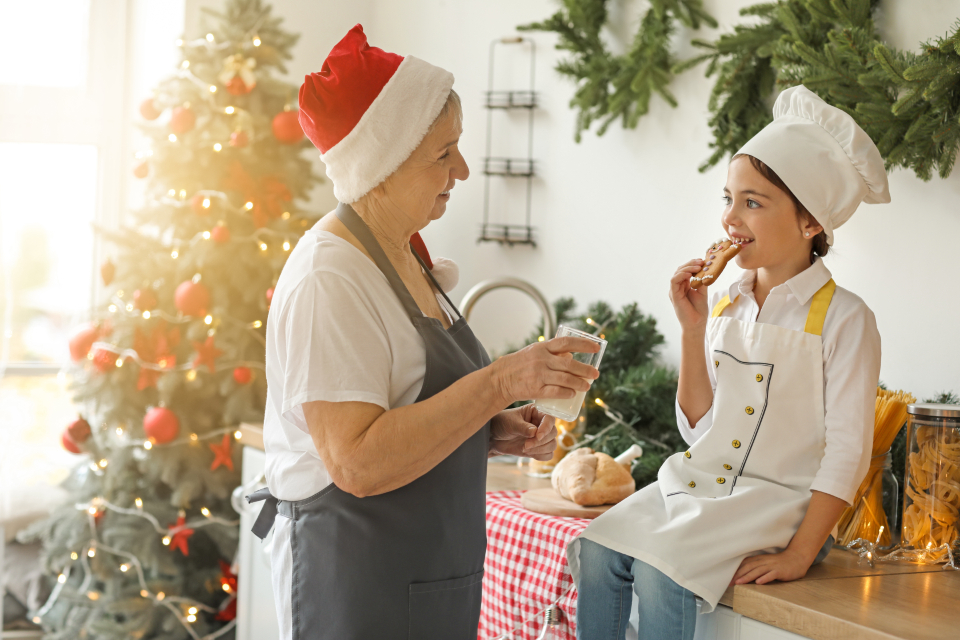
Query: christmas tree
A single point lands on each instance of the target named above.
(173, 360)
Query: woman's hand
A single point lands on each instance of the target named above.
(767, 567)
(544, 370)
(689, 304)
(524, 432)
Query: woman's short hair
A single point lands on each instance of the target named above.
(452, 104)
(820, 246)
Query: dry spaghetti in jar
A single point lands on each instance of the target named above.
(931, 493)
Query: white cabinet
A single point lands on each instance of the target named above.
(256, 613)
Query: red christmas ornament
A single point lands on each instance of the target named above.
(191, 298)
(68, 444)
(242, 375)
(179, 539)
(222, 453)
(198, 201)
(237, 87)
(220, 234)
(107, 271)
(182, 119)
(78, 431)
(141, 170)
(239, 139)
(82, 341)
(207, 354)
(228, 582)
(104, 360)
(286, 127)
(161, 425)
(270, 294)
(144, 299)
(148, 109)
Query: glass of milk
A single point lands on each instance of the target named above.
(569, 408)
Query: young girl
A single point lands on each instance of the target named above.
(778, 416)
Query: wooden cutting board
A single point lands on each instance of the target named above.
(549, 502)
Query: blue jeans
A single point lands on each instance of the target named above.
(667, 610)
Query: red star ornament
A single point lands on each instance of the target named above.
(221, 453)
(207, 354)
(179, 539)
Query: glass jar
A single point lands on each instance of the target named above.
(876, 513)
(931, 492)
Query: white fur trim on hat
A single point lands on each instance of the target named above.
(446, 272)
(822, 155)
(390, 129)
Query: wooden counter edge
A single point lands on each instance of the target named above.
(767, 608)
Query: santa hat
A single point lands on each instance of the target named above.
(367, 110)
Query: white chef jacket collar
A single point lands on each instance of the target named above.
(802, 286)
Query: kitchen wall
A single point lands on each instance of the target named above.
(615, 215)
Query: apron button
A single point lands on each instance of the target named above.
(687, 454)
(749, 411)
(692, 484)
(759, 377)
(727, 467)
(716, 363)
(721, 480)
(736, 444)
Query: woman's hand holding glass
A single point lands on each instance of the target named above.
(545, 370)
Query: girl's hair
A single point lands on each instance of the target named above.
(820, 246)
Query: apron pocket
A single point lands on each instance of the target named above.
(445, 610)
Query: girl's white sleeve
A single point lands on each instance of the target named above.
(851, 370)
(692, 434)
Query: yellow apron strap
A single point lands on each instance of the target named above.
(818, 308)
(723, 304)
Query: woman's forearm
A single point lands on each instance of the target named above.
(822, 515)
(402, 444)
(694, 391)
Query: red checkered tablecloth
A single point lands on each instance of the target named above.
(525, 569)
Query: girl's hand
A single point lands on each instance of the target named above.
(689, 304)
(768, 567)
(524, 432)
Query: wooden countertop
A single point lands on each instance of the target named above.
(836, 600)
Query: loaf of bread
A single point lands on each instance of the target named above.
(589, 478)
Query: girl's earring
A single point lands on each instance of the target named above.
(807, 234)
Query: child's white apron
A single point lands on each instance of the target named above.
(744, 486)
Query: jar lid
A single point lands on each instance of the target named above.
(934, 410)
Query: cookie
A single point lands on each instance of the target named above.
(718, 255)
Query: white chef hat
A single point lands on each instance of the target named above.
(822, 155)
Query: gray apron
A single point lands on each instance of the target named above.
(407, 564)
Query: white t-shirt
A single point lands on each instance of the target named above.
(851, 368)
(336, 332)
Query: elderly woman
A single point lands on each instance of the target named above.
(383, 406)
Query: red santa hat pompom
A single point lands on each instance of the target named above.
(367, 110)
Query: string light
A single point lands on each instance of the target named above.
(172, 137)
(206, 203)
(74, 555)
(185, 64)
(229, 110)
(92, 553)
(172, 193)
(590, 321)
(62, 578)
(119, 431)
(191, 618)
(93, 595)
(285, 215)
(166, 541)
(112, 308)
(139, 503)
(248, 206)
(119, 293)
(541, 339)
(129, 307)
(286, 245)
(213, 88)
(237, 434)
(146, 315)
(256, 41)
(263, 246)
(119, 362)
(256, 324)
(217, 147)
(192, 611)
(104, 463)
(192, 375)
(194, 437)
(206, 514)
(206, 235)
(179, 42)
(174, 254)
(124, 567)
(226, 588)
(183, 193)
(160, 596)
(92, 511)
(209, 37)
(147, 445)
(208, 320)
(144, 593)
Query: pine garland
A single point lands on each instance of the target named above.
(608, 86)
(909, 103)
